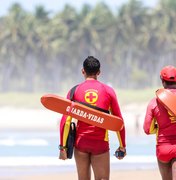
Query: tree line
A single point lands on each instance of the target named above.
(44, 52)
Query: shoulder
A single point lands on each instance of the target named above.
(71, 91)
(109, 89)
(108, 86)
(152, 103)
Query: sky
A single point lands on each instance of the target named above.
(57, 5)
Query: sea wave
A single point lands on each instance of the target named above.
(23, 142)
(54, 161)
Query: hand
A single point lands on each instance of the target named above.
(63, 154)
(120, 153)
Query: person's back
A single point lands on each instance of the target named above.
(160, 120)
(165, 121)
(97, 94)
(91, 144)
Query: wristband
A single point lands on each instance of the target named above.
(62, 147)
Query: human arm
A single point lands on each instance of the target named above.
(120, 153)
(64, 130)
(150, 124)
(115, 110)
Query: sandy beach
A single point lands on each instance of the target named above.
(124, 175)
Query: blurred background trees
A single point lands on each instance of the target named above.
(40, 52)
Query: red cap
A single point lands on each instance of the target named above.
(168, 73)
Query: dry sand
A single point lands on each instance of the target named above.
(115, 175)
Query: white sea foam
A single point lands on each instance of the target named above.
(54, 161)
(23, 142)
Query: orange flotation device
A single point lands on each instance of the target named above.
(81, 112)
(167, 99)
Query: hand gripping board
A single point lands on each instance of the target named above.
(167, 99)
(81, 112)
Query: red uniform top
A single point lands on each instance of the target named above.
(100, 95)
(166, 123)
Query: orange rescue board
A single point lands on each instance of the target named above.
(167, 99)
(81, 112)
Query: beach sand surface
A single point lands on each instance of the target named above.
(123, 174)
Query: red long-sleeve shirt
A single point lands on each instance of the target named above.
(166, 123)
(96, 93)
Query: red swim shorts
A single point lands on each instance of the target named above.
(94, 147)
(166, 152)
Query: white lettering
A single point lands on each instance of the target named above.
(95, 118)
(101, 120)
(74, 111)
(89, 116)
(98, 119)
(68, 109)
(83, 114)
(78, 112)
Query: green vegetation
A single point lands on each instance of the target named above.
(135, 96)
(44, 52)
(32, 100)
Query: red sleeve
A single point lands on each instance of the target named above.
(150, 121)
(115, 109)
(64, 126)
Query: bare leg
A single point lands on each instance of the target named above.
(83, 165)
(174, 169)
(101, 166)
(165, 170)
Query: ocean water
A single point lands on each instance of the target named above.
(33, 148)
(27, 152)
